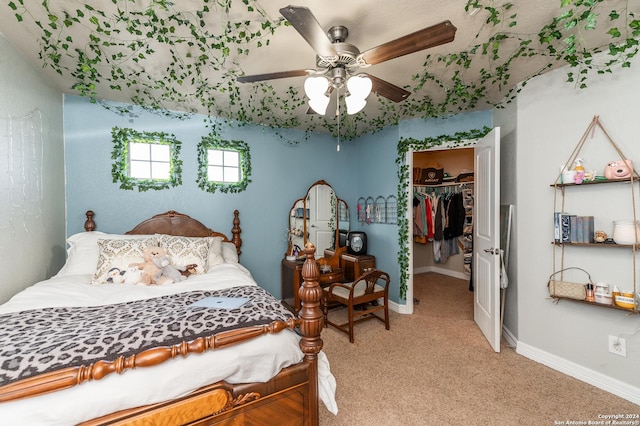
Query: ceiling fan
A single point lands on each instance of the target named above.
(338, 62)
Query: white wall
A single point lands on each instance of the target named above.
(506, 119)
(32, 196)
(552, 116)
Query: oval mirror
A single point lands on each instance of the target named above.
(321, 225)
(343, 222)
(296, 228)
(320, 217)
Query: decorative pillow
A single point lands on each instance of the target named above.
(119, 253)
(215, 253)
(82, 254)
(229, 252)
(187, 250)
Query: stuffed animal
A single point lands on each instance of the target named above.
(116, 276)
(189, 270)
(151, 274)
(133, 275)
(170, 273)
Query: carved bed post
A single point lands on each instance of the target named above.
(235, 232)
(311, 323)
(89, 224)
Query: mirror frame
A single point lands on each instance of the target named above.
(305, 231)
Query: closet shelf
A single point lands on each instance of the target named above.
(444, 184)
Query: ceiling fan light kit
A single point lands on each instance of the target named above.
(319, 104)
(338, 61)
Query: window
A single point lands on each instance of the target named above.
(149, 160)
(224, 166)
(146, 160)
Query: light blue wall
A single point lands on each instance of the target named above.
(281, 173)
(378, 175)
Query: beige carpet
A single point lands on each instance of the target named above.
(435, 367)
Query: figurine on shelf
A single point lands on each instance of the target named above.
(599, 236)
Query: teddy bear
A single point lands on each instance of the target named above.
(170, 273)
(151, 274)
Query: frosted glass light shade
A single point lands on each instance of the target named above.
(315, 87)
(319, 104)
(359, 87)
(354, 104)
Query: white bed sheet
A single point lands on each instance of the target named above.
(252, 361)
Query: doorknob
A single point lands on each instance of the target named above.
(492, 250)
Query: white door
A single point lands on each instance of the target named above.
(486, 237)
(321, 205)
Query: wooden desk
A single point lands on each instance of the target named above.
(292, 280)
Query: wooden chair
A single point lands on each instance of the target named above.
(360, 300)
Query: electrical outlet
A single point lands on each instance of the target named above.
(618, 345)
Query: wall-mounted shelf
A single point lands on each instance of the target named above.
(561, 193)
(601, 305)
(595, 182)
(600, 245)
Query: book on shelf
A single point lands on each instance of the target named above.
(565, 223)
(569, 228)
(573, 228)
(579, 229)
(557, 226)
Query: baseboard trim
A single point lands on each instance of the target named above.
(443, 271)
(509, 337)
(599, 380)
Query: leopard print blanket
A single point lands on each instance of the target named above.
(38, 341)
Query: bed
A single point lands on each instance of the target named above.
(88, 347)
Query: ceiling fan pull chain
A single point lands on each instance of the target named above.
(338, 115)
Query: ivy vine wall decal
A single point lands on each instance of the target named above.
(173, 59)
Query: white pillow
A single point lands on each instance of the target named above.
(82, 254)
(119, 253)
(229, 252)
(215, 253)
(187, 250)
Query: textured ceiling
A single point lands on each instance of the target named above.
(174, 56)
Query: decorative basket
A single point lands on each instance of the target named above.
(566, 289)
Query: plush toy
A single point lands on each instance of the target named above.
(151, 274)
(189, 270)
(133, 275)
(170, 273)
(116, 276)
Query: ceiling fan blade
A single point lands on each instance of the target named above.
(435, 35)
(273, 76)
(307, 25)
(387, 90)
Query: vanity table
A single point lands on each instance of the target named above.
(353, 265)
(292, 280)
(320, 217)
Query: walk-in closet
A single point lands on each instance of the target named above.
(442, 229)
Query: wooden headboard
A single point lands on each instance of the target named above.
(174, 223)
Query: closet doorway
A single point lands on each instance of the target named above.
(442, 195)
(481, 207)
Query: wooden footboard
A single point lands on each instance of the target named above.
(290, 398)
(283, 400)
